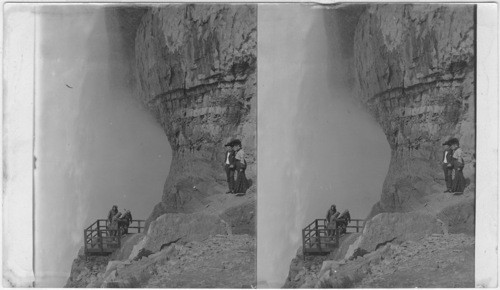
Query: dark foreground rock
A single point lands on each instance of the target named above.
(85, 270)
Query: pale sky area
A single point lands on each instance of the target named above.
(322, 147)
(95, 144)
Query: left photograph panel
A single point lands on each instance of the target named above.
(145, 159)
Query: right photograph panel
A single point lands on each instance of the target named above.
(368, 116)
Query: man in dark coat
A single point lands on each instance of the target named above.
(447, 165)
(229, 166)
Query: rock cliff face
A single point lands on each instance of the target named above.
(196, 72)
(414, 69)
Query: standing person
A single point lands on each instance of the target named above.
(447, 165)
(112, 213)
(458, 183)
(229, 166)
(114, 226)
(331, 214)
(241, 184)
(331, 211)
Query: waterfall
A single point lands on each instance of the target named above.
(96, 145)
(321, 147)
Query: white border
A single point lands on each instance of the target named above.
(17, 105)
(17, 144)
(486, 270)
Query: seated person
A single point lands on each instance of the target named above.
(125, 221)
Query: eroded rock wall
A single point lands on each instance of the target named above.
(196, 72)
(414, 69)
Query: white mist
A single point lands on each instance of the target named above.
(317, 146)
(96, 145)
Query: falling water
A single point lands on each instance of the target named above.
(96, 145)
(317, 145)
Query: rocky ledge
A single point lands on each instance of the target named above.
(178, 250)
(436, 261)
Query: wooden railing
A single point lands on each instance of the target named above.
(318, 239)
(98, 239)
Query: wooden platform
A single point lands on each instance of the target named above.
(98, 240)
(317, 241)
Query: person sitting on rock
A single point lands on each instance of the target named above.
(125, 222)
(343, 220)
(229, 166)
(458, 183)
(241, 185)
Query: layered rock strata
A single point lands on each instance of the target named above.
(415, 68)
(196, 72)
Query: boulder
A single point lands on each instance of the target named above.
(329, 265)
(397, 227)
(179, 227)
(112, 266)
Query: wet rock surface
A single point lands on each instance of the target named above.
(397, 227)
(179, 227)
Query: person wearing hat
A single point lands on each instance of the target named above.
(447, 165)
(458, 183)
(229, 166)
(241, 185)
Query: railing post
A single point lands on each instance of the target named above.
(99, 236)
(303, 245)
(85, 242)
(316, 228)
